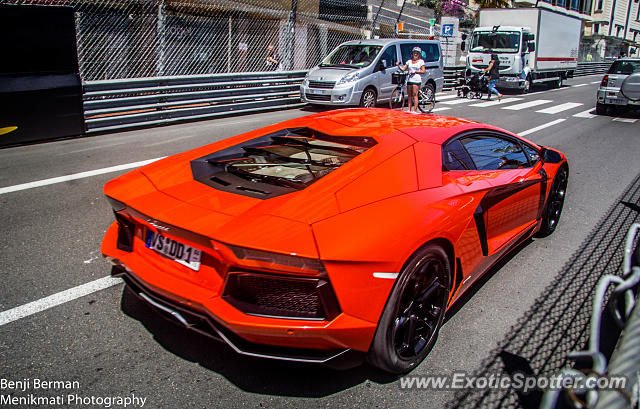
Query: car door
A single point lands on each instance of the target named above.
(384, 67)
(514, 202)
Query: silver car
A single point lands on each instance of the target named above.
(359, 72)
(612, 93)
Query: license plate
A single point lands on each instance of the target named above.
(317, 91)
(181, 253)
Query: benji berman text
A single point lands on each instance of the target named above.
(37, 384)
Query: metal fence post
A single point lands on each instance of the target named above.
(160, 33)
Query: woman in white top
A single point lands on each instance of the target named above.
(416, 67)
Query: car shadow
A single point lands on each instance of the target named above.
(477, 285)
(250, 374)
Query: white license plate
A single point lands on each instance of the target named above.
(181, 253)
(318, 91)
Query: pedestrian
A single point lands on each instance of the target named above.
(272, 61)
(416, 67)
(494, 74)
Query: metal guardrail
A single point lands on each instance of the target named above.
(118, 104)
(453, 75)
(126, 103)
(625, 360)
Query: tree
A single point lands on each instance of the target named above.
(494, 4)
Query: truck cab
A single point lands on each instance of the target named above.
(514, 47)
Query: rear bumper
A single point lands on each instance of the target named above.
(338, 342)
(613, 96)
(197, 320)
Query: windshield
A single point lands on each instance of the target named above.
(625, 67)
(356, 56)
(500, 42)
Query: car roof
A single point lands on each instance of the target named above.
(384, 123)
(385, 41)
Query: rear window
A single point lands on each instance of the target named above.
(282, 162)
(625, 67)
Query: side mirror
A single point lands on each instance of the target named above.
(531, 45)
(382, 65)
(549, 156)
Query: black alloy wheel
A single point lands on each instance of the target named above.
(555, 202)
(414, 312)
(369, 98)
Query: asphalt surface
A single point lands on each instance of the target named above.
(115, 346)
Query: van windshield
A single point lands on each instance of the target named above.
(500, 42)
(355, 56)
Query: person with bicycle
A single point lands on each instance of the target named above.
(416, 67)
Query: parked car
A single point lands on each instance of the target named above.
(359, 72)
(333, 237)
(609, 93)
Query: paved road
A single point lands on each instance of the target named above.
(114, 346)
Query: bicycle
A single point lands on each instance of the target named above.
(426, 94)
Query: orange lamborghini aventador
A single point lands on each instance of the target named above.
(337, 236)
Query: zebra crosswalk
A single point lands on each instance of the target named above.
(446, 102)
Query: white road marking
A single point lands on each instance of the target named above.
(559, 108)
(81, 175)
(537, 128)
(496, 102)
(443, 97)
(595, 82)
(626, 120)
(529, 104)
(585, 114)
(54, 300)
(440, 109)
(386, 275)
(578, 85)
(457, 101)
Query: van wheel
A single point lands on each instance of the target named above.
(369, 98)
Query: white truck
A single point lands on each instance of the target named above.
(533, 44)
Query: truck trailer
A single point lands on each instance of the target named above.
(533, 44)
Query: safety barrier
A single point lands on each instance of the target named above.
(453, 75)
(625, 361)
(118, 104)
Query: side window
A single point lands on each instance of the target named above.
(455, 157)
(491, 153)
(432, 53)
(389, 56)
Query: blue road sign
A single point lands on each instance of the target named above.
(447, 30)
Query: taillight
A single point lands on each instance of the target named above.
(126, 230)
(605, 80)
(291, 263)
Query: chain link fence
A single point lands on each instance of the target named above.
(119, 39)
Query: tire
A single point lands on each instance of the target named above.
(409, 327)
(601, 109)
(555, 202)
(397, 99)
(428, 100)
(369, 98)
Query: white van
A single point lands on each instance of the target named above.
(359, 72)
